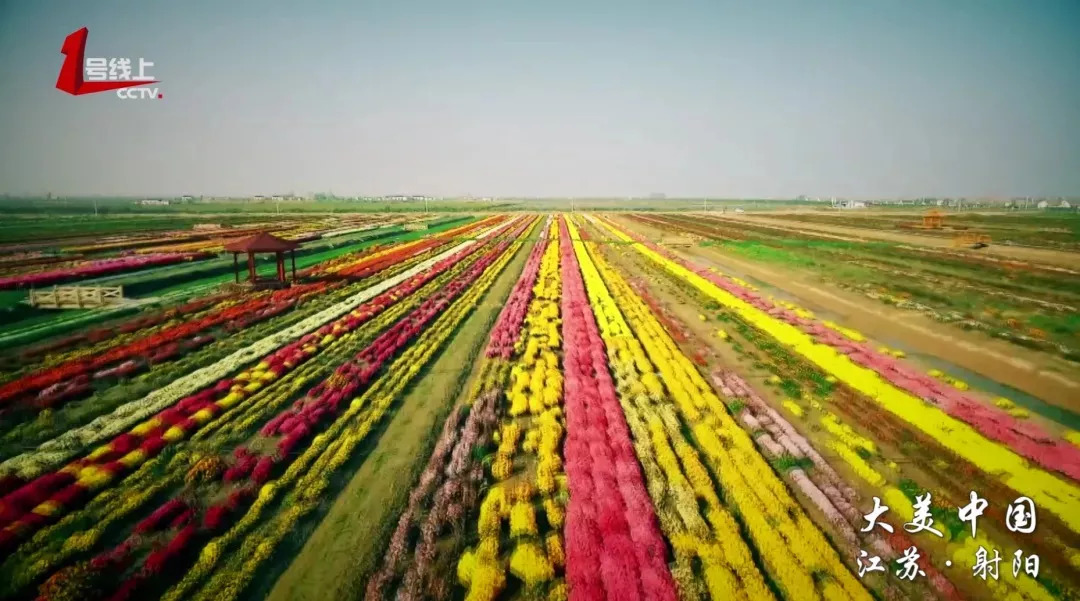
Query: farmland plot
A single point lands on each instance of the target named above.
(630, 425)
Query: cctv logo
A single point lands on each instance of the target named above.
(80, 75)
(139, 93)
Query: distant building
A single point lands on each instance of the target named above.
(850, 204)
(406, 197)
(153, 202)
(657, 196)
(1042, 204)
(187, 198)
(1065, 205)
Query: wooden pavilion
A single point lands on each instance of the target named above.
(263, 243)
(933, 220)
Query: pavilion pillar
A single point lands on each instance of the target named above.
(268, 245)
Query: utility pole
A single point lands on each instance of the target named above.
(706, 203)
(95, 207)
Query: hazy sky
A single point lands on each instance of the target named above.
(755, 98)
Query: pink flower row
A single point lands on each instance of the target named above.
(97, 268)
(507, 329)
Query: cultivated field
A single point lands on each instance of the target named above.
(534, 405)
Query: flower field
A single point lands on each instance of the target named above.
(632, 424)
(53, 275)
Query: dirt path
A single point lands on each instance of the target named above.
(348, 542)
(1024, 253)
(1040, 375)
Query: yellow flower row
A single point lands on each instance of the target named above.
(676, 479)
(507, 438)
(549, 461)
(846, 435)
(534, 395)
(1047, 490)
(795, 408)
(791, 547)
(857, 463)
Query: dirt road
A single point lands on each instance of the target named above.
(1048, 378)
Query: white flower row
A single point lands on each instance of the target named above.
(351, 230)
(51, 454)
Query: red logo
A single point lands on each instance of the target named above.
(71, 72)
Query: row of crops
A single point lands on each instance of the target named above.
(1031, 305)
(168, 272)
(593, 452)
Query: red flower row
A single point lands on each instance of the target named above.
(155, 347)
(614, 549)
(376, 264)
(136, 323)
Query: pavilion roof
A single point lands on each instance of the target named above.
(261, 243)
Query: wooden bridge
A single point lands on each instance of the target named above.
(77, 297)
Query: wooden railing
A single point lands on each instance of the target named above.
(77, 297)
